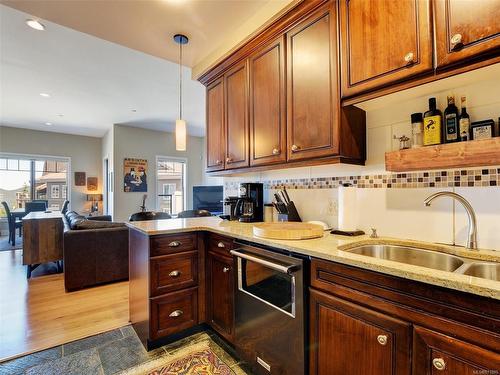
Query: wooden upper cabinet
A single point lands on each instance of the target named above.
(438, 354)
(383, 41)
(267, 104)
(465, 29)
(215, 126)
(350, 339)
(235, 84)
(312, 86)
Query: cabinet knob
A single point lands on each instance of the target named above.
(226, 269)
(176, 313)
(455, 39)
(439, 364)
(276, 151)
(174, 273)
(382, 339)
(295, 148)
(221, 245)
(174, 244)
(229, 160)
(218, 162)
(409, 58)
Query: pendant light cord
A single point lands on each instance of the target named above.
(180, 80)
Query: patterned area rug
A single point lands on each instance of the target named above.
(195, 359)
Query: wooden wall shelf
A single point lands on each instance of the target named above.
(447, 156)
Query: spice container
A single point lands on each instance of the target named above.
(417, 130)
(482, 129)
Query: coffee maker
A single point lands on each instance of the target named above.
(250, 205)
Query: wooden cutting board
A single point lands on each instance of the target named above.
(288, 231)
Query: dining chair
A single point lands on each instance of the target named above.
(13, 224)
(193, 213)
(149, 215)
(35, 206)
(64, 208)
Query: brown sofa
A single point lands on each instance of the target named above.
(95, 251)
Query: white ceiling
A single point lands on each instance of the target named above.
(149, 25)
(92, 82)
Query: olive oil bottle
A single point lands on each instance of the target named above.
(432, 124)
(464, 121)
(451, 132)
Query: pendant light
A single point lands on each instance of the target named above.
(180, 124)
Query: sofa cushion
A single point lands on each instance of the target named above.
(75, 220)
(94, 224)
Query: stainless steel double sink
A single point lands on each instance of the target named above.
(431, 259)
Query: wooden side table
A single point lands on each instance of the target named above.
(43, 239)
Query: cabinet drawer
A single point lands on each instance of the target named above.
(173, 272)
(162, 245)
(173, 312)
(220, 244)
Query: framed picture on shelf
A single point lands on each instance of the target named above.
(135, 175)
(80, 178)
(91, 183)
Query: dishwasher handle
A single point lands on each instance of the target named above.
(275, 266)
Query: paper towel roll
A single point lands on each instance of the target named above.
(348, 208)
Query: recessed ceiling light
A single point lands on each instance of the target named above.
(133, 110)
(48, 123)
(45, 95)
(60, 115)
(34, 24)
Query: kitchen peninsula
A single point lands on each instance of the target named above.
(182, 277)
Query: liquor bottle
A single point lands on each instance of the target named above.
(450, 129)
(432, 124)
(464, 121)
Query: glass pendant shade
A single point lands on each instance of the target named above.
(180, 135)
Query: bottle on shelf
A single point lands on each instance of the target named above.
(450, 128)
(417, 130)
(464, 121)
(432, 124)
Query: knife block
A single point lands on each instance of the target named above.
(292, 215)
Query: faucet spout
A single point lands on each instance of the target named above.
(472, 236)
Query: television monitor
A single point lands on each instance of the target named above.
(208, 198)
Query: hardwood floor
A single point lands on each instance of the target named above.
(37, 314)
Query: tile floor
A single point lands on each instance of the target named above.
(106, 354)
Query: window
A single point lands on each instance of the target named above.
(24, 178)
(170, 184)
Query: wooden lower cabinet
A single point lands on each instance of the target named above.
(349, 339)
(220, 280)
(173, 312)
(439, 354)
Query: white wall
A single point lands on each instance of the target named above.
(130, 142)
(85, 154)
(400, 212)
(107, 152)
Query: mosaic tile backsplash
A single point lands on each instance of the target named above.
(481, 177)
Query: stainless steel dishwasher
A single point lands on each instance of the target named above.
(269, 311)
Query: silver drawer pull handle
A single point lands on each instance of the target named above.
(439, 364)
(174, 244)
(176, 313)
(174, 273)
(221, 244)
(382, 339)
(226, 269)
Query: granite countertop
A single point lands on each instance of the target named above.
(332, 247)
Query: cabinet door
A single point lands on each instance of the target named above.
(466, 28)
(267, 104)
(349, 339)
(215, 126)
(221, 294)
(438, 354)
(383, 41)
(312, 87)
(235, 83)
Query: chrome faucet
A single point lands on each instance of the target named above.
(472, 237)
